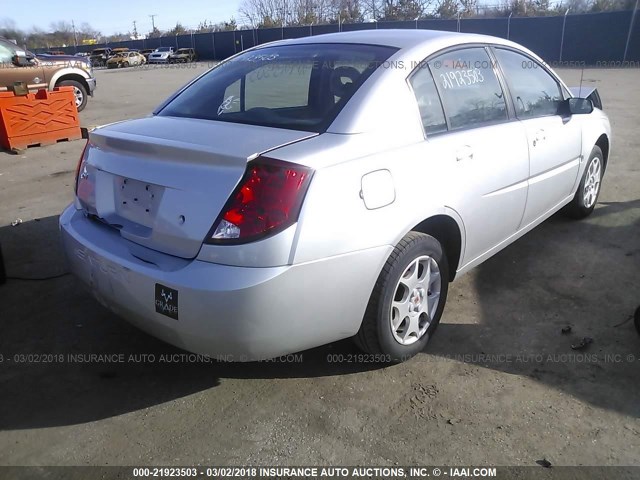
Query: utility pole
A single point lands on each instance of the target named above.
(153, 22)
(75, 36)
(135, 30)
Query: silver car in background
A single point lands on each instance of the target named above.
(328, 187)
(161, 55)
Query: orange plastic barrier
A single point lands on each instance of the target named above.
(40, 118)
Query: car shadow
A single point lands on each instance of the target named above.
(564, 273)
(66, 360)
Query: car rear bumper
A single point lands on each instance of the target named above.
(226, 312)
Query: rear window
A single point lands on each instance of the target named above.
(299, 87)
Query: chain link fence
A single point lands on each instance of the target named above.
(607, 39)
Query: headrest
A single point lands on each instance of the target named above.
(342, 80)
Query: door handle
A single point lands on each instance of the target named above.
(539, 137)
(464, 153)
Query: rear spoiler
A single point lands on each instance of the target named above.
(587, 92)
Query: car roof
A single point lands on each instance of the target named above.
(404, 39)
(398, 38)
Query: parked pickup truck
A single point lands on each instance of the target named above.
(45, 71)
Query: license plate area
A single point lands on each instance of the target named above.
(166, 300)
(137, 201)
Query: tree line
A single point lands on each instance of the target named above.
(62, 33)
(281, 13)
(277, 13)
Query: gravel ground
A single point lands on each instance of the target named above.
(498, 384)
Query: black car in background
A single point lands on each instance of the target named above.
(100, 56)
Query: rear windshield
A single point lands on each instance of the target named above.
(299, 87)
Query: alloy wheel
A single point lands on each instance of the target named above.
(415, 300)
(592, 183)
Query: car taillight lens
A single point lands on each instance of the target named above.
(80, 165)
(267, 200)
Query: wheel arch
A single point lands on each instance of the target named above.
(69, 76)
(449, 232)
(603, 143)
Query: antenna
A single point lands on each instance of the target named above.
(581, 76)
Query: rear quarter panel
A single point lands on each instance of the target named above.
(335, 220)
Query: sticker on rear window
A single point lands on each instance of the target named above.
(167, 301)
(227, 104)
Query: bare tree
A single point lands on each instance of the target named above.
(177, 30)
(264, 12)
(405, 9)
(447, 8)
(277, 13)
(8, 29)
(87, 32)
(468, 8)
(576, 6)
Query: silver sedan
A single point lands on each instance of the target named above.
(307, 191)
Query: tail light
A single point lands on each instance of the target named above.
(267, 200)
(80, 166)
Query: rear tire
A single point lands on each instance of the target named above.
(586, 197)
(79, 91)
(407, 300)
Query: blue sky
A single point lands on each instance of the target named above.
(113, 16)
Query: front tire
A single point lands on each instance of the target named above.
(79, 91)
(586, 197)
(407, 300)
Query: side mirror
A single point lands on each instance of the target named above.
(21, 59)
(576, 106)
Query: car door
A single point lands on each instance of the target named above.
(468, 125)
(32, 75)
(554, 141)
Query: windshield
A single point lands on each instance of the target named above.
(300, 87)
(183, 50)
(163, 49)
(99, 52)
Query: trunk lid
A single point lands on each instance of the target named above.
(162, 181)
